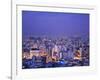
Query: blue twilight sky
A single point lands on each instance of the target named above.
(54, 24)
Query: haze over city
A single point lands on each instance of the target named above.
(54, 24)
(54, 39)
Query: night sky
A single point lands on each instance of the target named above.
(54, 24)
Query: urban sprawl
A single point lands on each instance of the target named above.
(44, 52)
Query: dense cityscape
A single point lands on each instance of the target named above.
(45, 52)
(54, 39)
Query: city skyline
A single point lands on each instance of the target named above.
(54, 39)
